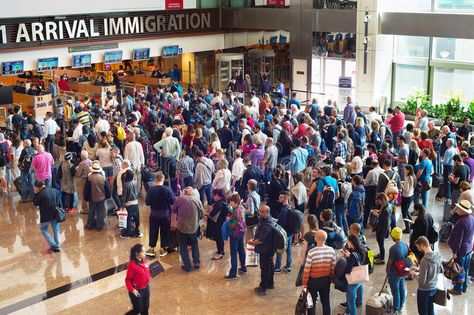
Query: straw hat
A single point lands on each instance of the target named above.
(95, 168)
(464, 205)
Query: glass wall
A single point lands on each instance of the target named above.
(412, 46)
(446, 80)
(407, 80)
(405, 5)
(439, 66)
(325, 77)
(454, 5)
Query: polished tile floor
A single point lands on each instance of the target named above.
(28, 272)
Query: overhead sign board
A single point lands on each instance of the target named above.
(12, 67)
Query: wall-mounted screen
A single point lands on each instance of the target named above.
(170, 51)
(112, 57)
(141, 54)
(47, 64)
(12, 67)
(81, 61)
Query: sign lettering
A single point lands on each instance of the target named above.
(35, 31)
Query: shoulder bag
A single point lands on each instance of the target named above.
(252, 219)
(359, 273)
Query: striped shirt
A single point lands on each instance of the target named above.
(320, 262)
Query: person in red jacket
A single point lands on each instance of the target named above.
(137, 279)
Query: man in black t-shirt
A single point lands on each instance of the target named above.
(460, 174)
(264, 246)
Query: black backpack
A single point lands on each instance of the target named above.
(3, 154)
(295, 220)
(25, 163)
(328, 197)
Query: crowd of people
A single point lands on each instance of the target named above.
(210, 165)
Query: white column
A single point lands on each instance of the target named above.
(373, 88)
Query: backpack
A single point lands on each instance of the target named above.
(121, 133)
(25, 163)
(369, 259)
(147, 175)
(295, 220)
(280, 238)
(391, 187)
(4, 154)
(240, 228)
(376, 139)
(328, 197)
(431, 233)
(345, 189)
(340, 282)
(445, 232)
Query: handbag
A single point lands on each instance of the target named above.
(453, 271)
(252, 219)
(441, 296)
(305, 302)
(425, 186)
(359, 273)
(59, 214)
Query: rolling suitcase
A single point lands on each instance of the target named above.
(437, 180)
(17, 183)
(441, 191)
(446, 210)
(381, 303)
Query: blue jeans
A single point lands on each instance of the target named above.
(27, 185)
(397, 286)
(424, 300)
(47, 182)
(44, 230)
(464, 261)
(341, 221)
(394, 138)
(354, 296)
(268, 175)
(236, 247)
(288, 255)
(424, 198)
(206, 191)
(183, 241)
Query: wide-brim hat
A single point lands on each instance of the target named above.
(464, 205)
(95, 168)
(340, 160)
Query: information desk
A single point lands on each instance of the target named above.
(94, 91)
(143, 79)
(38, 105)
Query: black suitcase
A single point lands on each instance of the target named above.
(17, 183)
(437, 180)
(441, 191)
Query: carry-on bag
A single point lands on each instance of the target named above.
(381, 303)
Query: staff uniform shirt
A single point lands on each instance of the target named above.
(51, 127)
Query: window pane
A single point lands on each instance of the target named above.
(350, 71)
(447, 80)
(454, 5)
(456, 49)
(405, 6)
(412, 46)
(316, 70)
(333, 71)
(408, 79)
